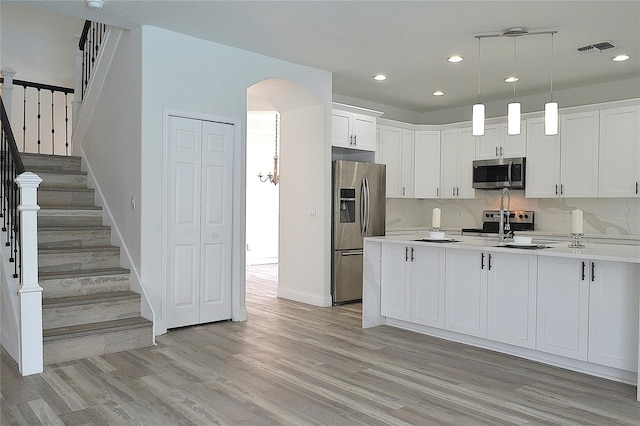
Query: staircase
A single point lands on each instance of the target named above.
(87, 306)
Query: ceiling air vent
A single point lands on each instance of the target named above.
(597, 47)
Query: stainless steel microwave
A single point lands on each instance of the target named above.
(499, 173)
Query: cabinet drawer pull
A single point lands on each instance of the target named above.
(556, 189)
(593, 271)
(636, 188)
(482, 261)
(355, 140)
(496, 151)
(406, 254)
(500, 151)
(437, 192)
(489, 261)
(412, 258)
(583, 266)
(561, 189)
(457, 191)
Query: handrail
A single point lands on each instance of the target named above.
(85, 34)
(10, 168)
(90, 43)
(41, 86)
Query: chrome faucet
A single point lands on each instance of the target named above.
(504, 225)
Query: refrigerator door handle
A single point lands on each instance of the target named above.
(363, 207)
(352, 253)
(368, 206)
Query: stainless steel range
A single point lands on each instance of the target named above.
(520, 220)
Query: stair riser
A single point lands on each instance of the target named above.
(48, 162)
(82, 286)
(48, 262)
(57, 180)
(95, 345)
(65, 316)
(71, 218)
(71, 238)
(65, 198)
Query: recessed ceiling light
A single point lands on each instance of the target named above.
(620, 58)
(455, 59)
(379, 77)
(511, 79)
(438, 93)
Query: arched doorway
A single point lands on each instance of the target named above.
(303, 190)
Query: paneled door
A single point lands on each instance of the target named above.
(199, 221)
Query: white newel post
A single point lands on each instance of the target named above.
(7, 88)
(77, 91)
(30, 293)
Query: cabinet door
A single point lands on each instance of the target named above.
(619, 152)
(511, 305)
(426, 164)
(543, 162)
(391, 155)
(427, 286)
(579, 157)
(613, 314)
(394, 285)
(449, 163)
(340, 129)
(364, 132)
(466, 292)
(406, 167)
(513, 145)
(489, 143)
(466, 155)
(563, 303)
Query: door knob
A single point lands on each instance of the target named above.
(215, 234)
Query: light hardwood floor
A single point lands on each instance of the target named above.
(296, 364)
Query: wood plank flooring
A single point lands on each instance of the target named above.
(300, 365)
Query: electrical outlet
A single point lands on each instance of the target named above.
(312, 212)
(566, 215)
(248, 247)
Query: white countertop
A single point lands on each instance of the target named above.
(592, 251)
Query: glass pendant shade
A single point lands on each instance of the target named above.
(551, 118)
(477, 120)
(513, 118)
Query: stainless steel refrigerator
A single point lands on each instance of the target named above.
(359, 208)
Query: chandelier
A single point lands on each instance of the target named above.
(274, 177)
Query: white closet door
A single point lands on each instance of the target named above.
(199, 202)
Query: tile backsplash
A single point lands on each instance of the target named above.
(602, 216)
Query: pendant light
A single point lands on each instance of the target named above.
(551, 108)
(477, 117)
(513, 109)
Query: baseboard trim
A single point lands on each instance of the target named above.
(309, 299)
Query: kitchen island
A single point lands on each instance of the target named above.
(573, 308)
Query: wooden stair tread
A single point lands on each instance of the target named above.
(73, 228)
(64, 189)
(81, 273)
(88, 299)
(44, 209)
(77, 249)
(37, 170)
(94, 328)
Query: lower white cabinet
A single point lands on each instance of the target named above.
(563, 307)
(614, 292)
(511, 302)
(466, 292)
(412, 287)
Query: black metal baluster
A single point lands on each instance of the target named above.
(16, 226)
(53, 130)
(24, 118)
(39, 141)
(66, 124)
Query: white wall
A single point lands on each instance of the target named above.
(262, 197)
(186, 73)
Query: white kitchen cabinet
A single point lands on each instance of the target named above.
(466, 292)
(614, 292)
(619, 162)
(511, 305)
(395, 283)
(563, 165)
(497, 143)
(426, 164)
(396, 145)
(457, 152)
(427, 285)
(563, 307)
(412, 285)
(353, 130)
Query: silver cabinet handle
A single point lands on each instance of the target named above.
(406, 254)
(438, 191)
(636, 188)
(556, 189)
(412, 258)
(500, 151)
(496, 151)
(355, 140)
(457, 191)
(453, 191)
(561, 189)
(403, 191)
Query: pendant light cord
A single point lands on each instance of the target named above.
(515, 68)
(478, 69)
(551, 67)
(276, 153)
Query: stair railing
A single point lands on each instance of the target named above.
(89, 44)
(45, 114)
(19, 211)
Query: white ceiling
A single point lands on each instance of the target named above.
(407, 40)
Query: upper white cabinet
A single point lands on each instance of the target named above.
(426, 164)
(564, 165)
(396, 151)
(354, 130)
(457, 152)
(619, 166)
(497, 143)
